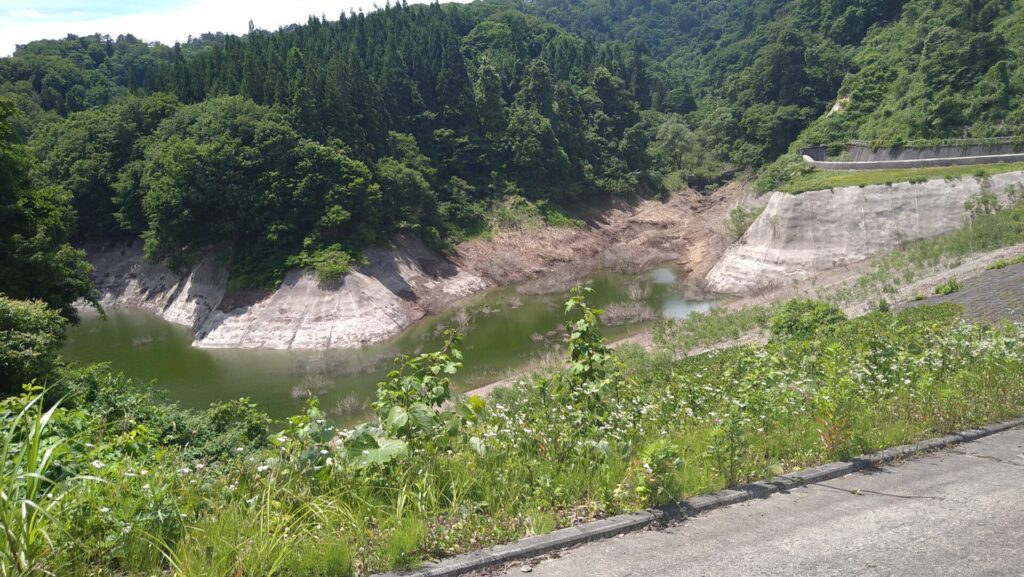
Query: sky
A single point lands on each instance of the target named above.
(167, 21)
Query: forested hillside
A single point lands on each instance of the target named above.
(306, 145)
(760, 71)
(945, 69)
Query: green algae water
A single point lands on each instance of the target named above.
(506, 330)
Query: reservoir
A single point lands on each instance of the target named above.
(506, 331)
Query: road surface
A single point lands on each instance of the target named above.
(953, 513)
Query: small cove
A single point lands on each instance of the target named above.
(506, 330)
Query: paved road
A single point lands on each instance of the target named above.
(954, 513)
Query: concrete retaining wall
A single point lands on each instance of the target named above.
(799, 236)
(865, 153)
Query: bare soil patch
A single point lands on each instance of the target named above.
(688, 228)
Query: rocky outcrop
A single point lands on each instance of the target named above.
(798, 237)
(397, 287)
(125, 280)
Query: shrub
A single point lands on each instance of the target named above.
(788, 167)
(982, 203)
(408, 400)
(517, 213)
(741, 218)
(949, 287)
(330, 263)
(803, 318)
(593, 371)
(30, 336)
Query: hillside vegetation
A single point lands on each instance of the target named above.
(303, 146)
(947, 69)
(311, 143)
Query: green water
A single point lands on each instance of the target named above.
(508, 329)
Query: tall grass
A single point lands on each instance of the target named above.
(609, 434)
(244, 538)
(28, 507)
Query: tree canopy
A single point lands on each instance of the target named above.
(36, 259)
(309, 143)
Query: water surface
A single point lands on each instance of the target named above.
(507, 329)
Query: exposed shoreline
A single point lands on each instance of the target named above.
(406, 282)
(812, 239)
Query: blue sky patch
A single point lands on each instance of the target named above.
(25, 11)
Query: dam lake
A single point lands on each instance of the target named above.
(507, 331)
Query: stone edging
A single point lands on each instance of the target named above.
(538, 545)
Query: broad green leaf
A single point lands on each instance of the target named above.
(422, 416)
(398, 418)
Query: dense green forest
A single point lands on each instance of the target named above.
(305, 145)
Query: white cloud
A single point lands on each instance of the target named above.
(26, 13)
(177, 24)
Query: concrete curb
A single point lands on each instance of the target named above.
(918, 163)
(538, 545)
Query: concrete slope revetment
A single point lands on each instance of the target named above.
(798, 237)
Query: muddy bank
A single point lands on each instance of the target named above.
(799, 237)
(403, 283)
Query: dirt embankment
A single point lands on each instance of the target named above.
(689, 229)
(403, 283)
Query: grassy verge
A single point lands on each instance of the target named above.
(1001, 264)
(609, 434)
(826, 179)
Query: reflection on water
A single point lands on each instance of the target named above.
(678, 308)
(664, 276)
(506, 329)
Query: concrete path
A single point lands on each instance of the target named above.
(953, 513)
